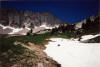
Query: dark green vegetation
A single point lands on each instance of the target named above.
(38, 39)
(90, 26)
(67, 31)
(5, 43)
(64, 35)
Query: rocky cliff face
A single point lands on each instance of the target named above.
(15, 18)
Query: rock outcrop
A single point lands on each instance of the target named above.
(16, 18)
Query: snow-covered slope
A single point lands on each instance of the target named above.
(21, 31)
(72, 53)
(48, 27)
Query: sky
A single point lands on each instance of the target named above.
(67, 10)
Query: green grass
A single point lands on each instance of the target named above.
(64, 35)
(38, 39)
(7, 42)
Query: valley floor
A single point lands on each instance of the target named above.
(73, 53)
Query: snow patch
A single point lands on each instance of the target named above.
(48, 27)
(87, 37)
(45, 26)
(79, 24)
(72, 53)
(27, 28)
(15, 30)
(4, 27)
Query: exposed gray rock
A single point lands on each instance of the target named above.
(16, 18)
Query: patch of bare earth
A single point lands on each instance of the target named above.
(40, 59)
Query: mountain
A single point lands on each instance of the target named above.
(91, 25)
(13, 20)
(92, 19)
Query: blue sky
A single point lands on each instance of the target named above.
(66, 10)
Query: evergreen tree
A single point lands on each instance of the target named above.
(30, 32)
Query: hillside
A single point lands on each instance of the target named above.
(24, 51)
